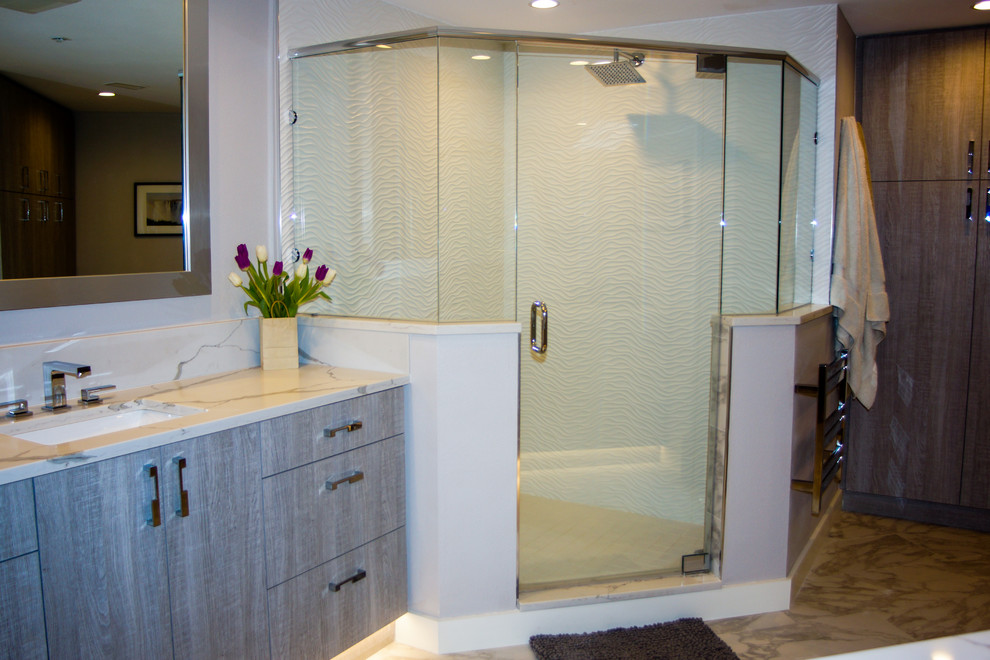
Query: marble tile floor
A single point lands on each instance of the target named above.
(876, 582)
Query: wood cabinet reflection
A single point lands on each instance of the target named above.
(37, 174)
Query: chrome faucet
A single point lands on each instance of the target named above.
(54, 374)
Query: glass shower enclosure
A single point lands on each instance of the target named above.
(457, 177)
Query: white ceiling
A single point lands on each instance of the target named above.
(150, 31)
(577, 16)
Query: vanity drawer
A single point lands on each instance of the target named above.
(308, 619)
(293, 440)
(18, 533)
(322, 510)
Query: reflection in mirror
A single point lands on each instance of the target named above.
(94, 207)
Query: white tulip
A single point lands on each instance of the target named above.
(262, 253)
(301, 271)
(331, 273)
(235, 279)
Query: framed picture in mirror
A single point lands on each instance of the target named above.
(157, 209)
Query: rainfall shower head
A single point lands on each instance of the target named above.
(619, 71)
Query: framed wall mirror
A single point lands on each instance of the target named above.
(77, 170)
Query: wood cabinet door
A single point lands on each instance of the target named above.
(22, 620)
(910, 443)
(975, 491)
(216, 545)
(104, 576)
(922, 104)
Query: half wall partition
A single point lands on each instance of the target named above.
(454, 176)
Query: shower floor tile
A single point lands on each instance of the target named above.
(563, 542)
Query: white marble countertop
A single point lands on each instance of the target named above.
(228, 400)
(795, 316)
(971, 646)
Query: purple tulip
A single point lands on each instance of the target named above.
(277, 269)
(243, 261)
(321, 273)
(242, 251)
(307, 255)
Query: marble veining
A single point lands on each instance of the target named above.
(228, 400)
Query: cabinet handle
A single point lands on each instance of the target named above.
(183, 510)
(969, 161)
(26, 177)
(25, 210)
(155, 510)
(59, 212)
(969, 204)
(353, 426)
(357, 577)
(351, 478)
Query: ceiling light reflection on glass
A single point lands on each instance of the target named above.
(481, 57)
(579, 63)
(543, 4)
(983, 5)
(107, 94)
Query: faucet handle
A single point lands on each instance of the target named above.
(90, 395)
(19, 409)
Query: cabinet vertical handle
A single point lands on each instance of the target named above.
(357, 577)
(59, 212)
(25, 210)
(183, 509)
(969, 157)
(353, 426)
(26, 177)
(155, 509)
(969, 204)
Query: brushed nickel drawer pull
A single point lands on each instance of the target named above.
(970, 157)
(351, 478)
(353, 426)
(357, 577)
(155, 508)
(183, 509)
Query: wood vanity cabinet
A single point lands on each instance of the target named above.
(923, 450)
(334, 492)
(22, 619)
(157, 552)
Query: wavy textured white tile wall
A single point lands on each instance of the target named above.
(752, 186)
(619, 204)
(365, 165)
(809, 35)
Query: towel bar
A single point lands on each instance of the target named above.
(830, 428)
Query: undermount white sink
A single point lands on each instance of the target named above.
(53, 429)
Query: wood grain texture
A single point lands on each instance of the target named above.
(975, 491)
(297, 439)
(216, 553)
(910, 444)
(22, 619)
(933, 513)
(17, 529)
(307, 524)
(922, 102)
(309, 620)
(103, 568)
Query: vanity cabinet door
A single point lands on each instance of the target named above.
(103, 570)
(216, 545)
(22, 621)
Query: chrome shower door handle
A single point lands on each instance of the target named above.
(538, 308)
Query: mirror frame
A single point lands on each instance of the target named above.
(92, 289)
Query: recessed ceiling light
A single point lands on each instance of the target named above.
(481, 57)
(107, 94)
(543, 4)
(982, 5)
(579, 63)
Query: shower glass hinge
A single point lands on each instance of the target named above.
(699, 562)
(816, 137)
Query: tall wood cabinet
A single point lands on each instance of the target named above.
(37, 185)
(923, 450)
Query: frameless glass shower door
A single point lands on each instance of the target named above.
(619, 204)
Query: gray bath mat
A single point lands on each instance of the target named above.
(684, 639)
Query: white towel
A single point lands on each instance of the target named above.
(858, 289)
